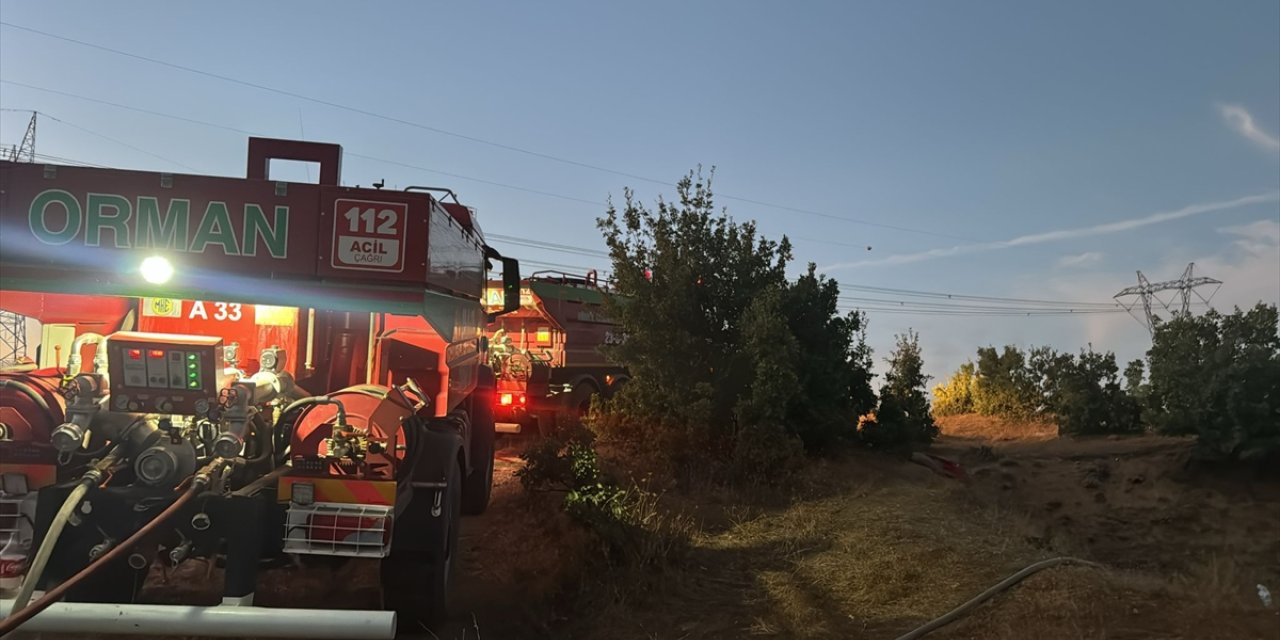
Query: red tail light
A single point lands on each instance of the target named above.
(508, 399)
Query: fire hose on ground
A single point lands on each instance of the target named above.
(20, 612)
(960, 611)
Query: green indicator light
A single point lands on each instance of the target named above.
(194, 384)
(191, 356)
(193, 366)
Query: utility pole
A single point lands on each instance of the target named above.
(26, 151)
(13, 326)
(1146, 291)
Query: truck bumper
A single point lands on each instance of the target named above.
(508, 427)
(224, 621)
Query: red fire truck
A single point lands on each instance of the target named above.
(251, 371)
(547, 354)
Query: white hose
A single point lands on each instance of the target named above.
(45, 551)
(955, 614)
(46, 546)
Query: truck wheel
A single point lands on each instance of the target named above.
(478, 486)
(416, 583)
(580, 400)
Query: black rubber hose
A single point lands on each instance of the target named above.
(263, 434)
(26, 390)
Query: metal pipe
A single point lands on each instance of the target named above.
(311, 340)
(225, 621)
(249, 392)
(73, 358)
(373, 335)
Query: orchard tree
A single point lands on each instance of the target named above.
(719, 341)
(955, 396)
(1218, 377)
(904, 417)
(1006, 387)
(1087, 397)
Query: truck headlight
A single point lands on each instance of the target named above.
(156, 270)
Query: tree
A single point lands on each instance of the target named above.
(833, 361)
(1005, 385)
(1133, 376)
(685, 278)
(1046, 369)
(955, 396)
(1087, 399)
(904, 417)
(1218, 377)
(720, 342)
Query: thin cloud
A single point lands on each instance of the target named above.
(1239, 119)
(1061, 234)
(1085, 259)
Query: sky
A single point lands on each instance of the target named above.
(994, 149)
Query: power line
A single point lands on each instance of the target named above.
(469, 138)
(958, 296)
(116, 141)
(997, 304)
(1003, 313)
(215, 125)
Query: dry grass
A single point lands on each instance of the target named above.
(1078, 603)
(871, 547)
(993, 429)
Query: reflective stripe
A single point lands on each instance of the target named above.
(379, 492)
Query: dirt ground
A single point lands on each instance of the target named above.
(872, 546)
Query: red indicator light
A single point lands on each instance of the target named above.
(505, 399)
(135, 354)
(156, 353)
(523, 399)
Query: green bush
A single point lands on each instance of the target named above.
(627, 521)
(1218, 377)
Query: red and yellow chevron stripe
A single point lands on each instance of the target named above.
(379, 492)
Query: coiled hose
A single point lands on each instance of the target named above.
(198, 483)
(26, 390)
(958, 612)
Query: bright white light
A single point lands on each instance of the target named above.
(156, 270)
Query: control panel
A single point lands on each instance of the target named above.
(164, 373)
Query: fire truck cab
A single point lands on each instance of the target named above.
(241, 370)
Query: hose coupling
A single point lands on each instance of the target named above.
(68, 437)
